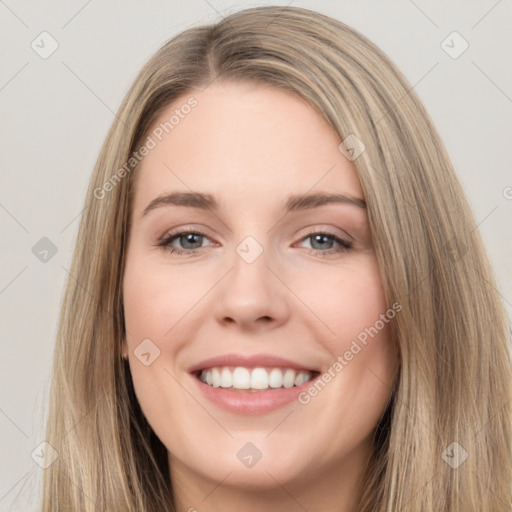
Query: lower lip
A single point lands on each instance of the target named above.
(250, 403)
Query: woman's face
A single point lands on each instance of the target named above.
(269, 285)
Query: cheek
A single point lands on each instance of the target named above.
(346, 300)
(351, 305)
(156, 298)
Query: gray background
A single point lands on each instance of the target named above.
(55, 112)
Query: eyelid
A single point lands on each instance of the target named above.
(190, 228)
(314, 228)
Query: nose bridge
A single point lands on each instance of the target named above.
(251, 291)
(250, 275)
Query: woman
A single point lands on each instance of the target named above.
(257, 370)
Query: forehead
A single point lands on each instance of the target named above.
(243, 140)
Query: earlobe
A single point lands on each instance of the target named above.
(124, 350)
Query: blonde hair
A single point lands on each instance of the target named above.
(454, 377)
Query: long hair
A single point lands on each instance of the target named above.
(444, 442)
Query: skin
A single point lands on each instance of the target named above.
(251, 146)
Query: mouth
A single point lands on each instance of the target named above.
(252, 384)
(254, 379)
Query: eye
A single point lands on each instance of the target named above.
(191, 242)
(323, 241)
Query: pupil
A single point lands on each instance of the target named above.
(190, 238)
(319, 238)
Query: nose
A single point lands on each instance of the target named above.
(251, 295)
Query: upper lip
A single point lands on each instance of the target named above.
(249, 361)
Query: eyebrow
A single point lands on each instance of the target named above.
(297, 202)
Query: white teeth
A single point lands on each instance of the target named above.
(241, 378)
(300, 379)
(275, 378)
(255, 378)
(289, 378)
(226, 378)
(215, 377)
(259, 378)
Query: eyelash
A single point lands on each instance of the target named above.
(165, 242)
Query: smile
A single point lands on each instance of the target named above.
(251, 384)
(254, 379)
